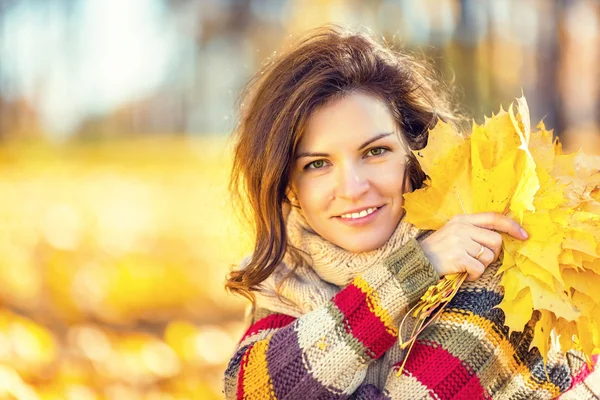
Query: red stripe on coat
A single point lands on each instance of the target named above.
(362, 323)
(273, 321)
(443, 373)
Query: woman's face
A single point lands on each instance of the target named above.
(348, 172)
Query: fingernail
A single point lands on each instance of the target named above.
(525, 235)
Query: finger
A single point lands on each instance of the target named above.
(486, 257)
(490, 239)
(473, 267)
(497, 222)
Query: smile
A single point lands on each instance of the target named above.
(360, 214)
(360, 218)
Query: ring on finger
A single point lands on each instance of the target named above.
(480, 252)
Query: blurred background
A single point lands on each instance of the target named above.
(115, 227)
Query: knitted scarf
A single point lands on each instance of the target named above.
(328, 268)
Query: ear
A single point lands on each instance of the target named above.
(292, 201)
(291, 196)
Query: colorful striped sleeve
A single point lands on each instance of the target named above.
(585, 385)
(586, 382)
(468, 353)
(325, 353)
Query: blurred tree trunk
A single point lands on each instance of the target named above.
(548, 65)
(466, 57)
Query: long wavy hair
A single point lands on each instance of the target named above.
(328, 63)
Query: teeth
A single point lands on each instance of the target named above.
(361, 214)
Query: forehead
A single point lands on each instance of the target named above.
(350, 119)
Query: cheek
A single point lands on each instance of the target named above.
(389, 178)
(314, 193)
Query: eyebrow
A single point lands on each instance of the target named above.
(362, 146)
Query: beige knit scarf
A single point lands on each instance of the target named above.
(329, 269)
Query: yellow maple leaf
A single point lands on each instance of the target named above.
(542, 147)
(518, 311)
(504, 166)
(531, 268)
(543, 328)
(443, 141)
(492, 164)
(445, 147)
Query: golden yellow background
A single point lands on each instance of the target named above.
(116, 231)
(111, 254)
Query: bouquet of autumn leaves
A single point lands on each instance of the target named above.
(504, 166)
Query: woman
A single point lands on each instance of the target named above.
(322, 160)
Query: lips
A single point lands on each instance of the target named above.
(359, 214)
(356, 219)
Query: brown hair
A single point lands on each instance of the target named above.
(329, 62)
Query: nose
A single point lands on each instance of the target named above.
(351, 185)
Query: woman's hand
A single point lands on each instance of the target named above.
(469, 243)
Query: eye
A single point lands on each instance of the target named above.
(376, 151)
(315, 164)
